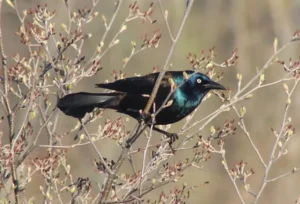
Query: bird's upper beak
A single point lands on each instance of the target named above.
(214, 85)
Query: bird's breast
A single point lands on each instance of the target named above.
(181, 106)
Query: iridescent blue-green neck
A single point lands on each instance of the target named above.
(187, 97)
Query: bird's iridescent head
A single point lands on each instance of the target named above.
(201, 82)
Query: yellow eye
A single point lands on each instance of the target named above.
(199, 81)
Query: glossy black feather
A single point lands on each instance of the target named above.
(143, 84)
(133, 94)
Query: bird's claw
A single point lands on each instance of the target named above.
(144, 117)
(172, 138)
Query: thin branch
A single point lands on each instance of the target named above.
(243, 127)
(267, 64)
(283, 175)
(278, 137)
(166, 20)
(166, 65)
(96, 149)
(144, 159)
(117, 166)
(231, 178)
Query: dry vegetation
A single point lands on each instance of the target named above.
(241, 146)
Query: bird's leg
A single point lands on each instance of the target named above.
(172, 136)
(144, 118)
(137, 133)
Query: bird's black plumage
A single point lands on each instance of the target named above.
(132, 95)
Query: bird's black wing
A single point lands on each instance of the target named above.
(140, 85)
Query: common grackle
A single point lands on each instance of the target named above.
(132, 95)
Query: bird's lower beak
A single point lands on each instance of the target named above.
(214, 85)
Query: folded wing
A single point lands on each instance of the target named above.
(139, 85)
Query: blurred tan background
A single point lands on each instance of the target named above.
(250, 26)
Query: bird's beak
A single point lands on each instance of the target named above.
(214, 85)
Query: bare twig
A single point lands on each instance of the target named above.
(231, 178)
(243, 127)
(96, 149)
(166, 65)
(294, 170)
(278, 137)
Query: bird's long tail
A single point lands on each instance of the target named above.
(78, 104)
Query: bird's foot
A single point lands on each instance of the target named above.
(172, 138)
(144, 117)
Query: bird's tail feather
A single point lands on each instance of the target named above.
(78, 104)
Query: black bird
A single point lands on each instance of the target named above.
(132, 95)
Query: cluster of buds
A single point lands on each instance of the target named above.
(179, 196)
(118, 74)
(201, 156)
(41, 14)
(163, 198)
(25, 34)
(95, 68)
(155, 69)
(206, 61)
(5, 156)
(288, 132)
(296, 35)
(195, 61)
(172, 172)
(101, 167)
(114, 130)
(81, 186)
(232, 60)
(239, 172)
(131, 180)
(17, 72)
(48, 163)
(83, 16)
(286, 135)
(175, 195)
(291, 66)
(41, 29)
(20, 70)
(228, 129)
(153, 41)
(207, 145)
(19, 146)
(22, 142)
(134, 12)
(76, 35)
